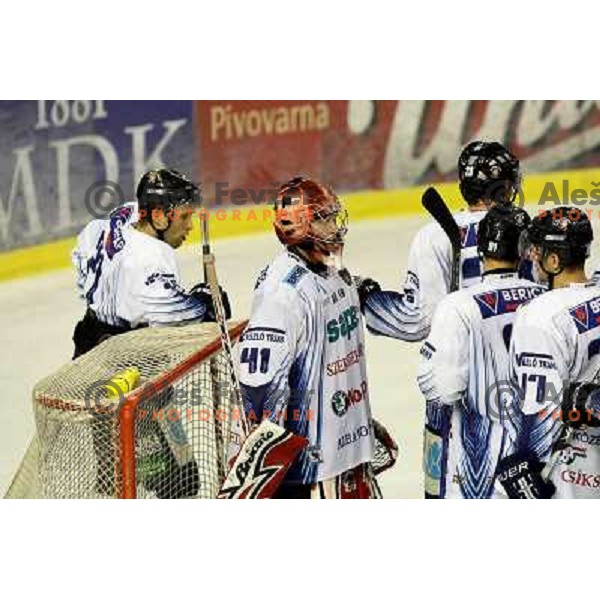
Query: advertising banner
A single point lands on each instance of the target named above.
(54, 152)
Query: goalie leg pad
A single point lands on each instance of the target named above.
(260, 467)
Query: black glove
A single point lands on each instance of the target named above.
(521, 478)
(365, 287)
(201, 291)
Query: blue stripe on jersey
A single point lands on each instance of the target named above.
(593, 348)
(468, 235)
(304, 468)
(394, 315)
(539, 432)
(476, 475)
(471, 268)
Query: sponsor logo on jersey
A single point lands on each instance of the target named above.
(261, 277)
(587, 315)
(585, 438)
(338, 295)
(354, 436)
(263, 334)
(536, 361)
(168, 280)
(343, 364)
(295, 275)
(342, 401)
(581, 478)
(114, 240)
(500, 302)
(343, 326)
(413, 280)
(570, 453)
(427, 351)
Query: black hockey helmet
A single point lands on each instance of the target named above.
(500, 230)
(488, 171)
(166, 189)
(565, 231)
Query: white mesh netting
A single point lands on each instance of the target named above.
(175, 438)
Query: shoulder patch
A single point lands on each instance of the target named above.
(295, 275)
(114, 240)
(500, 302)
(586, 315)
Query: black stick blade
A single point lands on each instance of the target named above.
(436, 207)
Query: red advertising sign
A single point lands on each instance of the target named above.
(381, 144)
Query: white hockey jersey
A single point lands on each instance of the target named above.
(128, 277)
(556, 343)
(302, 365)
(407, 316)
(87, 240)
(464, 376)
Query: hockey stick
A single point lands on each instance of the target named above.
(436, 207)
(210, 276)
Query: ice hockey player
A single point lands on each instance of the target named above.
(126, 265)
(555, 363)
(302, 361)
(488, 174)
(464, 368)
(128, 274)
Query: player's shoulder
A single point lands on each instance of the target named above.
(431, 230)
(468, 217)
(88, 237)
(144, 251)
(125, 213)
(433, 235)
(284, 276)
(430, 238)
(581, 302)
(458, 302)
(542, 309)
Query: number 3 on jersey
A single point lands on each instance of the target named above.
(250, 356)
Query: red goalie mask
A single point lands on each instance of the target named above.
(307, 211)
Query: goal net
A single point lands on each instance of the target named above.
(169, 437)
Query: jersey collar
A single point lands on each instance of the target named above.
(316, 268)
(496, 274)
(585, 284)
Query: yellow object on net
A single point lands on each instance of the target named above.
(122, 383)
